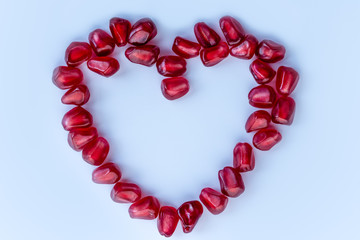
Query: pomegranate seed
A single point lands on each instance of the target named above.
(286, 80)
(124, 192)
(262, 96)
(258, 120)
(167, 221)
(205, 35)
(77, 118)
(67, 77)
(189, 214)
(171, 66)
(213, 55)
(77, 53)
(244, 159)
(270, 51)
(142, 32)
(145, 55)
(107, 173)
(175, 87)
(146, 208)
(262, 72)
(185, 48)
(105, 66)
(101, 42)
(231, 182)
(283, 111)
(78, 95)
(214, 201)
(78, 138)
(266, 138)
(120, 29)
(232, 29)
(246, 49)
(96, 152)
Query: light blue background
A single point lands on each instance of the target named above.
(307, 187)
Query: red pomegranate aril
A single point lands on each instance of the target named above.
(262, 72)
(231, 182)
(124, 192)
(67, 77)
(262, 96)
(284, 110)
(142, 32)
(206, 36)
(146, 208)
(171, 66)
(120, 29)
(214, 201)
(232, 29)
(246, 49)
(78, 95)
(105, 66)
(78, 138)
(101, 42)
(286, 80)
(145, 55)
(77, 53)
(266, 138)
(258, 120)
(185, 48)
(270, 51)
(77, 118)
(96, 152)
(175, 87)
(107, 173)
(189, 214)
(167, 221)
(213, 55)
(244, 159)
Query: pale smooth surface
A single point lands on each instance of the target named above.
(307, 187)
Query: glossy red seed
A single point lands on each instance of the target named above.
(146, 208)
(270, 51)
(214, 201)
(78, 95)
(167, 221)
(246, 49)
(78, 138)
(189, 214)
(142, 32)
(232, 29)
(265, 139)
(124, 192)
(96, 152)
(185, 48)
(283, 111)
(244, 159)
(120, 29)
(262, 96)
(77, 53)
(67, 77)
(145, 55)
(231, 182)
(101, 42)
(257, 120)
(262, 72)
(206, 36)
(107, 173)
(105, 66)
(77, 118)
(171, 66)
(213, 55)
(175, 87)
(286, 80)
